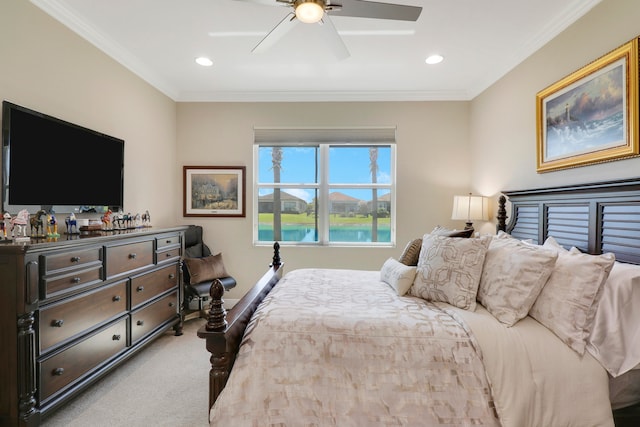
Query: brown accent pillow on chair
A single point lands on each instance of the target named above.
(205, 269)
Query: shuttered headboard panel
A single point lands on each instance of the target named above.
(596, 218)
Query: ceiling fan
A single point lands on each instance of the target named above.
(318, 11)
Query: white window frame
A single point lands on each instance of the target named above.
(332, 137)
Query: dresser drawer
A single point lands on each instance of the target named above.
(62, 369)
(152, 316)
(125, 258)
(168, 240)
(149, 285)
(61, 321)
(71, 281)
(167, 255)
(71, 259)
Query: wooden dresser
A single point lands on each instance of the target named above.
(72, 310)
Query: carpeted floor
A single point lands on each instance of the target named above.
(166, 384)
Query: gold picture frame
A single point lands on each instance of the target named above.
(214, 191)
(590, 116)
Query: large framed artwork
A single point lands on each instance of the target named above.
(590, 116)
(211, 191)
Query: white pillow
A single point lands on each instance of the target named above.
(512, 278)
(397, 275)
(615, 334)
(567, 304)
(449, 269)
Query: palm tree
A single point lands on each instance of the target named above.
(276, 162)
(373, 167)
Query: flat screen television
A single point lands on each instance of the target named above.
(51, 164)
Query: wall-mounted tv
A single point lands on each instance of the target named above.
(52, 164)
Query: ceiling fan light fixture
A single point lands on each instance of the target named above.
(309, 11)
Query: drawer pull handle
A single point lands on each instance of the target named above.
(76, 280)
(75, 259)
(58, 371)
(117, 337)
(57, 323)
(168, 241)
(140, 322)
(168, 254)
(171, 304)
(140, 288)
(116, 298)
(172, 276)
(133, 256)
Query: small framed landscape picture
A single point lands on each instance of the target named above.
(211, 191)
(590, 116)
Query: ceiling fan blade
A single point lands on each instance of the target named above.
(277, 33)
(335, 41)
(266, 2)
(370, 9)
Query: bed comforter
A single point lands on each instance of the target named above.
(340, 348)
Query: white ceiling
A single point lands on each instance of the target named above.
(158, 40)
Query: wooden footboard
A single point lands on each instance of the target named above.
(224, 330)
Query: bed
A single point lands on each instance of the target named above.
(385, 347)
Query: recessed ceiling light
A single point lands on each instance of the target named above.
(434, 59)
(204, 61)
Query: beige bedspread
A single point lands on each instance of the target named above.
(333, 349)
(339, 348)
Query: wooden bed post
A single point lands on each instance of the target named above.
(224, 330)
(502, 214)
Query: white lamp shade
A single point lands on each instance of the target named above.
(470, 208)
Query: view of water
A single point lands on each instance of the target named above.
(293, 233)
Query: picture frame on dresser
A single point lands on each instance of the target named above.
(214, 191)
(591, 115)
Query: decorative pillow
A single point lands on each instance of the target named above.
(443, 231)
(411, 252)
(512, 278)
(397, 275)
(616, 324)
(568, 302)
(205, 269)
(449, 270)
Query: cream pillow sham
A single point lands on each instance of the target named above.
(513, 275)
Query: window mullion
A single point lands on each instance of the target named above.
(323, 237)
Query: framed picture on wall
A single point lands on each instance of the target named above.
(211, 191)
(590, 116)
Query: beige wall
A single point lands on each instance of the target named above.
(46, 67)
(433, 164)
(503, 118)
(485, 145)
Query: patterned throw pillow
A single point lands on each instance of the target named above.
(449, 270)
(513, 275)
(568, 302)
(397, 275)
(411, 252)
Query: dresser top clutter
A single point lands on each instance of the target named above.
(73, 308)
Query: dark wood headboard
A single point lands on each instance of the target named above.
(595, 218)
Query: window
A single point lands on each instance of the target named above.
(325, 193)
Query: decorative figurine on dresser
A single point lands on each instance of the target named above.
(52, 225)
(37, 224)
(72, 224)
(19, 226)
(107, 220)
(146, 219)
(6, 225)
(74, 309)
